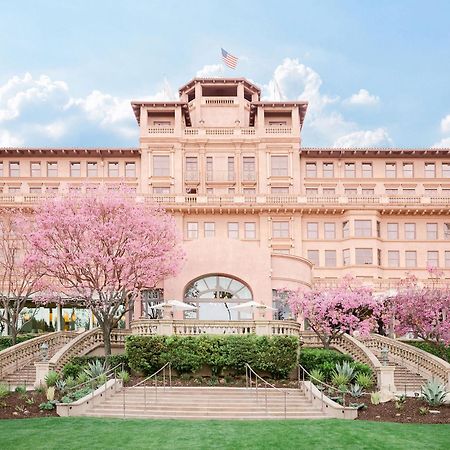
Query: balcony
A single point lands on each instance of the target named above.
(219, 132)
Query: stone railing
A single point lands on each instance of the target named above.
(84, 344)
(415, 359)
(19, 355)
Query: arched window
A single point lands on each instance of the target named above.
(214, 296)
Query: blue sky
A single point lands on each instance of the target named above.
(375, 73)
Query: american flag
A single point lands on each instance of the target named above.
(229, 59)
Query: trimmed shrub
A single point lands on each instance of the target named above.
(276, 355)
(5, 341)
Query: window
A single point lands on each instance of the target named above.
(233, 230)
(230, 168)
(329, 192)
(378, 229)
(311, 170)
(368, 192)
(279, 190)
(130, 169)
(410, 231)
(346, 256)
(431, 192)
(328, 170)
(35, 190)
(430, 170)
(392, 231)
(345, 229)
(312, 192)
(363, 228)
(312, 230)
(164, 190)
(209, 168)
(363, 256)
(446, 230)
(161, 165)
(330, 258)
(411, 258)
(14, 169)
(231, 191)
(192, 230)
(52, 169)
(249, 191)
(209, 229)
(280, 229)
(391, 170)
(279, 165)
(391, 191)
(445, 170)
(393, 258)
(350, 170)
(113, 169)
(351, 192)
(75, 169)
(53, 190)
(35, 168)
(14, 190)
(408, 170)
(191, 168)
(1, 168)
(313, 256)
(447, 259)
(409, 191)
(250, 230)
(92, 169)
(432, 231)
(248, 168)
(329, 229)
(367, 170)
(432, 258)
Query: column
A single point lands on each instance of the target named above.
(58, 317)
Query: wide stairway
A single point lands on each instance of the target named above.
(207, 403)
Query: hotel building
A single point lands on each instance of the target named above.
(258, 211)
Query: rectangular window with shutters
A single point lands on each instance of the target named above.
(279, 166)
(432, 258)
(391, 170)
(392, 231)
(329, 230)
(328, 170)
(113, 169)
(345, 229)
(248, 168)
(35, 168)
(346, 256)
(311, 170)
(410, 231)
(161, 165)
(350, 170)
(313, 256)
(192, 230)
(75, 169)
(92, 169)
(432, 231)
(393, 258)
(363, 256)
(330, 258)
(408, 170)
(312, 230)
(130, 169)
(14, 169)
(209, 229)
(250, 230)
(233, 230)
(363, 228)
(410, 258)
(367, 170)
(280, 230)
(52, 169)
(430, 170)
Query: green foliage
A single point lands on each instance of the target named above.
(51, 378)
(364, 380)
(317, 376)
(375, 398)
(437, 349)
(47, 406)
(276, 355)
(4, 390)
(6, 341)
(20, 389)
(70, 382)
(124, 376)
(96, 368)
(61, 385)
(344, 369)
(355, 390)
(338, 379)
(361, 368)
(82, 378)
(71, 370)
(433, 393)
(423, 411)
(77, 364)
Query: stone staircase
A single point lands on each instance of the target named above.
(207, 403)
(406, 380)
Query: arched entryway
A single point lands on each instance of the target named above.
(214, 296)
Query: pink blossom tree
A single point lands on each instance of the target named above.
(101, 250)
(423, 309)
(18, 282)
(350, 307)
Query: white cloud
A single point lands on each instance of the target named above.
(445, 124)
(210, 71)
(8, 140)
(364, 138)
(443, 143)
(363, 97)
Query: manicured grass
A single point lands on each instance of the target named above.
(90, 433)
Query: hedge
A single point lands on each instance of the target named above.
(276, 355)
(6, 342)
(437, 349)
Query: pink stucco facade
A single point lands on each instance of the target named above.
(252, 203)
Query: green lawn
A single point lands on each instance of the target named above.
(89, 433)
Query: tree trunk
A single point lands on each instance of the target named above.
(13, 335)
(106, 328)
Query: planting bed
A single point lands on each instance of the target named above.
(22, 406)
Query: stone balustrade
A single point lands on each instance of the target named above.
(415, 359)
(19, 355)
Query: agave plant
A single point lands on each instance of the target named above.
(124, 376)
(317, 376)
(345, 369)
(433, 393)
(95, 369)
(338, 379)
(61, 386)
(364, 380)
(355, 390)
(51, 378)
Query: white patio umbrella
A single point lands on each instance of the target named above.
(252, 305)
(176, 304)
